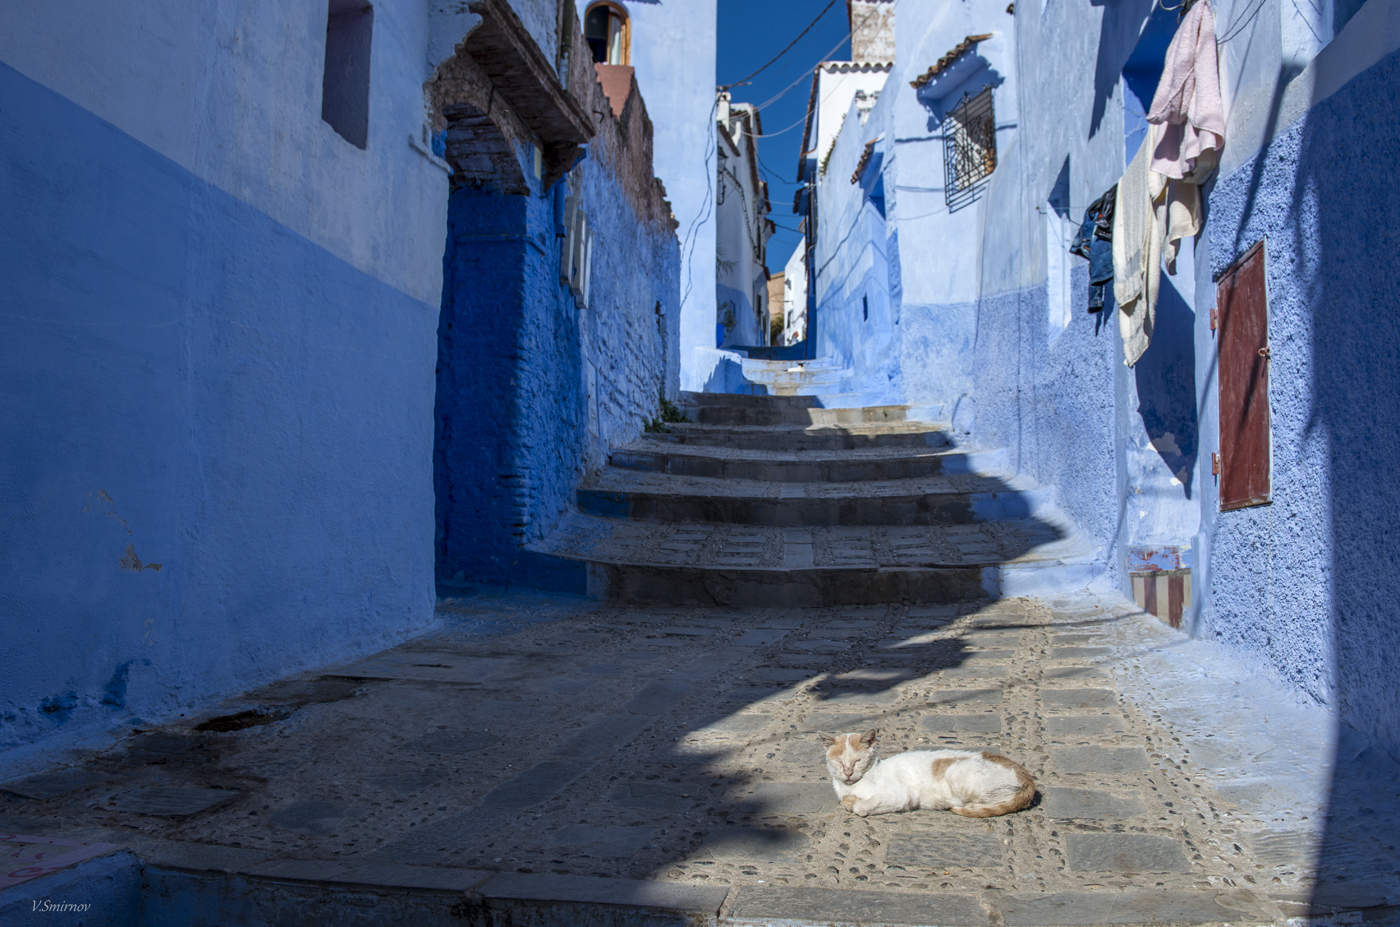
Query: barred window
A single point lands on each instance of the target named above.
(969, 146)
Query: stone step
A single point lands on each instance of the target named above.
(794, 378)
(643, 584)
(647, 584)
(706, 564)
(809, 438)
(939, 500)
(772, 414)
(755, 400)
(857, 465)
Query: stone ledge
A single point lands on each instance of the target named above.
(199, 857)
(569, 889)
(1133, 909)
(370, 873)
(763, 905)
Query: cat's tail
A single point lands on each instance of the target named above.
(1021, 798)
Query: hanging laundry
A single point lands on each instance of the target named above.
(1152, 215)
(1093, 241)
(1098, 223)
(1188, 103)
(1100, 272)
(1137, 249)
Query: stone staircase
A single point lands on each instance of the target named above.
(794, 378)
(777, 501)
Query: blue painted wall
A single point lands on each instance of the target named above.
(987, 324)
(218, 434)
(1303, 584)
(896, 269)
(992, 332)
(535, 387)
(489, 371)
(1117, 444)
(860, 326)
(673, 52)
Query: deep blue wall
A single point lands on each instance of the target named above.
(186, 383)
(1304, 584)
(510, 407)
(493, 296)
(534, 387)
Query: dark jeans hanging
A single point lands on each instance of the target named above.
(1094, 242)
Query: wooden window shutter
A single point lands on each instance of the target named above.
(1245, 467)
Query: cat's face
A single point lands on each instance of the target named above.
(849, 756)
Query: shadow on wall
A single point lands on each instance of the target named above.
(795, 351)
(1166, 384)
(1343, 183)
(1118, 36)
(727, 376)
(509, 414)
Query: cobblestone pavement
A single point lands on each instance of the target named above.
(566, 737)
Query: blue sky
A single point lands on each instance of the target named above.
(749, 34)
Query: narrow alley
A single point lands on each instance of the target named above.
(469, 461)
(654, 758)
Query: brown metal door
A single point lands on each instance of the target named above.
(1244, 383)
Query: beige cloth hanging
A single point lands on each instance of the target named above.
(1151, 215)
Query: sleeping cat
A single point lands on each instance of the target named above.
(968, 782)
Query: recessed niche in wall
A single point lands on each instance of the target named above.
(345, 85)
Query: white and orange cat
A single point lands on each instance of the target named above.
(972, 783)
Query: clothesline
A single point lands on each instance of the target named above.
(1232, 30)
(1130, 231)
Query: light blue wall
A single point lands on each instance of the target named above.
(231, 92)
(673, 52)
(992, 328)
(895, 294)
(974, 332)
(190, 384)
(1118, 445)
(860, 328)
(1303, 584)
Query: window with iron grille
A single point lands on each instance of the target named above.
(969, 146)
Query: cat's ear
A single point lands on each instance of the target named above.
(827, 740)
(868, 738)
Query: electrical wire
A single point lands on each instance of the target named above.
(820, 103)
(801, 77)
(786, 48)
(1240, 23)
(774, 176)
(787, 128)
(692, 236)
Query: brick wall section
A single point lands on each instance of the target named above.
(533, 389)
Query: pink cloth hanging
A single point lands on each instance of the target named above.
(1188, 103)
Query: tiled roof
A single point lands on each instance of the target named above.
(953, 54)
(851, 67)
(864, 160)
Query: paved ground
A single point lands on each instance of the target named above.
(556, 737)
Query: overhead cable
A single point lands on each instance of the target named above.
(786, 48)
(801, 77)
